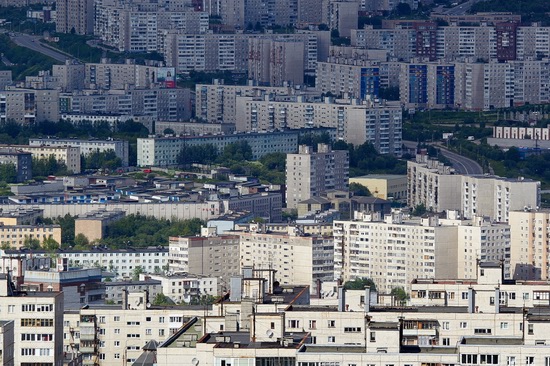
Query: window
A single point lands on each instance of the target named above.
(482, 331)
(332, 323)
(313, 324)
(161, 332)
(372, 336)
(294, 324)
(463, 325)
(161, 319)
(133, 335)
(117, 331)
(445, 325)
(352, 329)
(117, 356)
(530, 329)
(331, 339)
(116, 318)
(529, 360)
(148, 331)
(11, 308)
(117, 343)
(102, 319)
(102, 331)
(488, 359)
(469, 359)
(446, 341)
(511, 361)
(102, 356)
(503, 325)
(546, 361)
(525, 296)
(464, 296)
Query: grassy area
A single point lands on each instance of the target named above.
(26, 62)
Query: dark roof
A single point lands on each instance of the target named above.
(487, 341)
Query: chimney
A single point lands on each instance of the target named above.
(471, 300)
(341, 299)
(367, 299)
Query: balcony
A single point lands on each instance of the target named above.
(87, 349)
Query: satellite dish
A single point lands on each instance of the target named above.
(148, 305)
(269, 333)
(195, 361)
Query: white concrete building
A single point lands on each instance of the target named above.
(163, 151)
(87, 147)
(437, 187)
(297, 259)
(394, 251)
(69, 155)
(38, 324)
(184, 289)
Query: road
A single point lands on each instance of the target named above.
(33, 43)
(462, 164)
(460, 9)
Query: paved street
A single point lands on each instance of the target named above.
(462, 164)
(33, 43)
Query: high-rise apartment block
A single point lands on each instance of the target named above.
(435, 186)
(530, 244)
(75, 16)
(357, 122)
(296, 258)
(312, 173)
(393, 251)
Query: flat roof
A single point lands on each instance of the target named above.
(380, 176)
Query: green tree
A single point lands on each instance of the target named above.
(31, 243)
(360, 284)
(81, 241)
(50, 244)
(204, 154)
(5, 245)
(235, 152)
(161, 299)
(8, 173)
(136, 272)
(400, 295)
(359, 189)
(419, 210)
(102, 160)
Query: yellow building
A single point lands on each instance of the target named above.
(15, 235)
(384, 186)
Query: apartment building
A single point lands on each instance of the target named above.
(7, 342)
(208, 255)
(426, 85)
(134, 27)
(400, 42)
(38, 324)
(394, 251)
(276, 62)
(535, 133)
(206, 52)
(5, 78)
(20, 216)
(188, 289)
(312, 173)
(115, 335)
(68, 155)
(16, 235)
(87, 147)
(356, 122)
(216, 102)
(438, 188)
(27, 106)
(75, 16)
(121, 262)
(22, 162)
(115, 292)
(115, 106)
(93, 225)
(529, 237)
(295, 258)
(343, 76)
(267, 205)
(163, 151)
(385, 186)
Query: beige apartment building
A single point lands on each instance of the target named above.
(529, 236)
(69, 155)
(311, 174)
(296, 258)
(394, 251)
(38, 324)
(216, 102)
(438, 188)
(208, 255)
(94, 224)
(385, 186)
(15, 235)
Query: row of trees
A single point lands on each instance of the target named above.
(399, 293)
